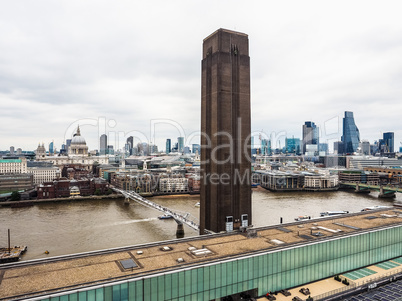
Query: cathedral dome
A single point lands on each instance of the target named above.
(78, 145)
(77, 138)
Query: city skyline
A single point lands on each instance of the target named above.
(306, 66)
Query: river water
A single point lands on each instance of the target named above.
(73, 227)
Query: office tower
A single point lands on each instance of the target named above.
(388, 142)
(103, 148)
(180, 144)
(68, 144)
(323, 149)
(292, 145)
(168, 146)
(225, 122)
(11, 150)
(196, 148)
(310, 134)
(351, 136)
(51, 146)
(265, 147)
(19, 151)
(152, 149)
(339, 147)
(110, 150)
(130, 145)
(364, 147)
(186, 150)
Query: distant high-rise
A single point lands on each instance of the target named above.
(265, 147)
(180, 143)
(364, 147)
(310, 134)
(110, 150)
(292, 145)
(51, 148)
(130, 144)
(225, 126)
(389, 142)
(168, 146)
(103, 147)
(351, 135)
(12, 150)
(68, 144)
(196, 148)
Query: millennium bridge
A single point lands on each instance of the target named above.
(180, 218)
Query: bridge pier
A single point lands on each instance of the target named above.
(359, 189)
(386, 193)
(180, 231)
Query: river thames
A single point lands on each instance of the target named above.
(80, 226)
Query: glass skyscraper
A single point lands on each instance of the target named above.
(168, 146)
(351, 135)
(310, 134)
(389, 142)
(265, 147)
(292, 145)
(180, 143)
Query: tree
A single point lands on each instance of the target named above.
(97, 191)
(15, 196)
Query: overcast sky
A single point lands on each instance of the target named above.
(120, 66)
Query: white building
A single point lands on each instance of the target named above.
(168, 185)
(320, 182)
(13, 165)
(43, 172)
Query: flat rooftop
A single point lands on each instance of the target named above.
(51, 275)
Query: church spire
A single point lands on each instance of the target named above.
(78, 131)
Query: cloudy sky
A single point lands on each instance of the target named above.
(133, 67)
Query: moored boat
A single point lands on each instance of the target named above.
(331, 213)
(165, 216)
(302, 217)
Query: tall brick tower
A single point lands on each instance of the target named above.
(225, 126)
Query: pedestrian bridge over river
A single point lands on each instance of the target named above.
(179, 217)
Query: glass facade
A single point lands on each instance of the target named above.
(292, 145)
(351, 135)
(269, 271)
(168, 146)
(389, 142)
(265, 147)
(180, 144)
(310, 134)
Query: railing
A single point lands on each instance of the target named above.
(185, 218)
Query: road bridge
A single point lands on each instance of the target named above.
(179, 217)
